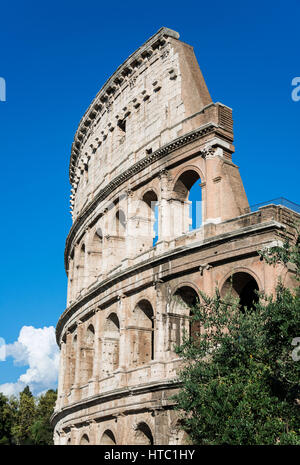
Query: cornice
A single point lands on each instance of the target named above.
(111, 86)
(133, 170)
(108, 282)
(114, 394)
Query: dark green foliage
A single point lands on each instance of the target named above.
(41, 431)
(26, 420)
(240, 384)
(6, 420)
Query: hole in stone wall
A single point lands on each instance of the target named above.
(122, 124)
(243, 286)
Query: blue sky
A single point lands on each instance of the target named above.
(55, 56)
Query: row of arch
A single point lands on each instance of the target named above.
(142, 436)
(142, 332)
(135, 225)
(142, 344)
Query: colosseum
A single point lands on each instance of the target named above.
(141, 246)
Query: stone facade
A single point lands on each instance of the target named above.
(150, 134)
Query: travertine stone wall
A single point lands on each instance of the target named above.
(150, 134)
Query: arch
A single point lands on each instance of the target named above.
(84, 441)
(144, 218)
(80, 268)
(148, 189)
(95, 254)
(150, 199)
(184, 299)
(115, 243)
(120, 223)
(245, 270)
(185, 168)
(185, 182)
(90, 335)
(108, 438)
(82, 249)
(188, 206)
(112, 324)
(142, 333)
(244, 286)
(87, 355)
(143, 435)
(110, 345)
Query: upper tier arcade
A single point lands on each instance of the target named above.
(157, 95)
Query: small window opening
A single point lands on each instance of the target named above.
(122, 125)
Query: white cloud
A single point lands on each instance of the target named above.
(37, 349)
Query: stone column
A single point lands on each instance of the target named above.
(123, 342)
(160, 325)
(85, 274)
(204, 201)
(165, 219)
(133, 236)
(77, 380)
(68, 349)
(60, 387)
(93, 432)
(77, 273)
(70, 281)
(213, 212)
(97, 354)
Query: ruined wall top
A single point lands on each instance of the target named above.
(149, 101)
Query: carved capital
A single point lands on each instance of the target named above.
(163, 173)
(204, 266)
(129, 193)
(208, 152)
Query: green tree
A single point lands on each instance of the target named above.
(41, 431)
(240, 384)
(7, 414)
(25, 416)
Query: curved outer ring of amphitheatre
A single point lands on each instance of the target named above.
(127, 174)
(93, 109)
(135, 269)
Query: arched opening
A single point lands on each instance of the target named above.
(80, 278)
(142, 333)
(243, 286)
(84, 441)
(108, 438)
(71, 277)
(195, 212)
(188, 202)
(184, 301)
(143, 435)
(151, 212)
(87, 355)
(95, 255)
(115, 245)
(120, 223)
(110, 345)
